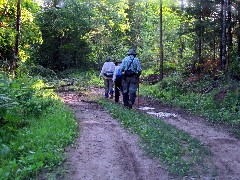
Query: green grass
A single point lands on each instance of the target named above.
(39, 145)
(181, 153)
(188, 96)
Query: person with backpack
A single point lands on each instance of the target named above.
(117, 79)
(131, 70)
(107, 73)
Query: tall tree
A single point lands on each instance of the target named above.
(223, 37)
(238, 28)
(161, 42)
(181, 31)
(18, 24)
(229, 30)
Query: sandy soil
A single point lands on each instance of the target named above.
(106, 151)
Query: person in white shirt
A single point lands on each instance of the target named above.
(107, 73)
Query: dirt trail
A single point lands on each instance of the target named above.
(225, 161)
(106, 151)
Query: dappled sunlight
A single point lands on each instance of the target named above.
(38, 85)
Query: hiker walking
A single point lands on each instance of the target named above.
(117, 79)
(107, 73)
(131, 70)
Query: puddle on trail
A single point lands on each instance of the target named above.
(146, 108)
(158, 114)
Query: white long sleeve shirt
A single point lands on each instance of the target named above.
(107, 67)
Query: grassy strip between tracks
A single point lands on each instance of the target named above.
(177, 150)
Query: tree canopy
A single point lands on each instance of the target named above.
(197, 36)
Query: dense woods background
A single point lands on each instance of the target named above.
(198, 36)
(193, 44)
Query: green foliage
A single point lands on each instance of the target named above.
(174, 148)
(35, 127)
(64, 43)
(235, 67)
(25, 91)
(82, 79)
(40, 71)
(40, 145)
(219, 105)
(108, 36)
(30, 33)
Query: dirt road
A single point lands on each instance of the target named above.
(105, 151)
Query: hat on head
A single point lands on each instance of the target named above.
(118, 62)
(108, 59)
(131, 52)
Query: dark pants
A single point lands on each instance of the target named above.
(130, 85)
(118, 88)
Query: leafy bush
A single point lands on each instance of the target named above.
(35, 127)
(26, 92)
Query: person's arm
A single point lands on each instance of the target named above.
(123, 65)
(103, 70)
(139, 69)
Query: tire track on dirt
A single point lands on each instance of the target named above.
(224, 164)
(106, 151)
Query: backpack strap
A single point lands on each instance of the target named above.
(130, 64)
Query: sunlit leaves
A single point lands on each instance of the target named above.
(30, 33)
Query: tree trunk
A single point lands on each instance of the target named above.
(223, 40)
(238, 30)
(181, 31)
(161, 43)
(229, 32)
(16, 50)
(238, 38)
(199, 53)
(199, 32)
(214, 48)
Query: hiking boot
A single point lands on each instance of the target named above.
(106, 95)
(111, 95)
(130, 105)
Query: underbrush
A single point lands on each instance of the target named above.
(176, 149)
(35, 127)
(219, 101)
(69, 80)
(81, 79)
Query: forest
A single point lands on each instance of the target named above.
(189, 52)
